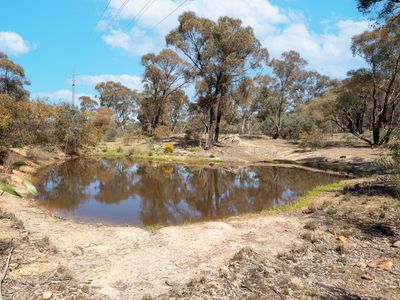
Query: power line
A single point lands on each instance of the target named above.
(167, 16)
(141, 12)
(121, 8)
(105, 9)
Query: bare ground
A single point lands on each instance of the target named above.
(128, 263)
(351, 250)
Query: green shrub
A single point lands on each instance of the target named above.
(313, 139)
(168, 148)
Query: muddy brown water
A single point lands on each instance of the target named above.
(143, 194)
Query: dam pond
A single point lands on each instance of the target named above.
(122, 191)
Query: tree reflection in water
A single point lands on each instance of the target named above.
(123, 191)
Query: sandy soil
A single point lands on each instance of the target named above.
(128, 263)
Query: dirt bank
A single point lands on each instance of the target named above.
(341, 153)
(127, 263)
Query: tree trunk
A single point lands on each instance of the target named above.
(376, 134)
(219, 115)
(211, 127)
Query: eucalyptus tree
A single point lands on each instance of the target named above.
(289, 74)
(12, 79)
(220, 53)
(245, 98)
(380, 48)
(165, 76)
(88, 104)
(121, 99)
(384, 8)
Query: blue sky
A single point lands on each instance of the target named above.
(51, 39)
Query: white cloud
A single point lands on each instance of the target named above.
(329, 52)
(12, 43)
(278, 29)
(133, 82)
(135, 42)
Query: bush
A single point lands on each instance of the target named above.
(168, 148)
(313, 139)
(162, 132)
(110, 134)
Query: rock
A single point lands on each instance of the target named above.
(361, 264)
(212, 156)
(381, 263)
(366, 276)
(224, 271)
(337, 282)
(396, 244)
(342, 238)
(47, 295)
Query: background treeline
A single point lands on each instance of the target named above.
(236, 88)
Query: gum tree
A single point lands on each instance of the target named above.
(121, 99)
(220, 53)
(165, 76)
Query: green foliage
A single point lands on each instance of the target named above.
(6, 188)
(313, 139)
(168, 148)
(31, 188)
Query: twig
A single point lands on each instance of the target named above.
(5, 270)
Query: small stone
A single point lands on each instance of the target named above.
(381, 263)
(361, 264)
(212, 156)
(396, 244)
(337, 282)
(224, 271)
(343, 239)
(47, 295)
(366, 277)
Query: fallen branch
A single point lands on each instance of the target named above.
(5, 270)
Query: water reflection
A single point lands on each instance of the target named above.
(127, 192)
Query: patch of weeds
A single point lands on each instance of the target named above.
(147, 297)
(44, 243)
(341, 249)
(385, 207)
(18, 224)
(104, 150)
(326, 204)
(153, 228)
(119, 150)
(195, 149)
(310, 209)
(307, 199)
(346, 197)
(310, 237)
(342, 259)
(310, 226)
(331, 211)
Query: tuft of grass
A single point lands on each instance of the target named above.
(341, 249)
(152, 228)
(195, 149)
(307, 200)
